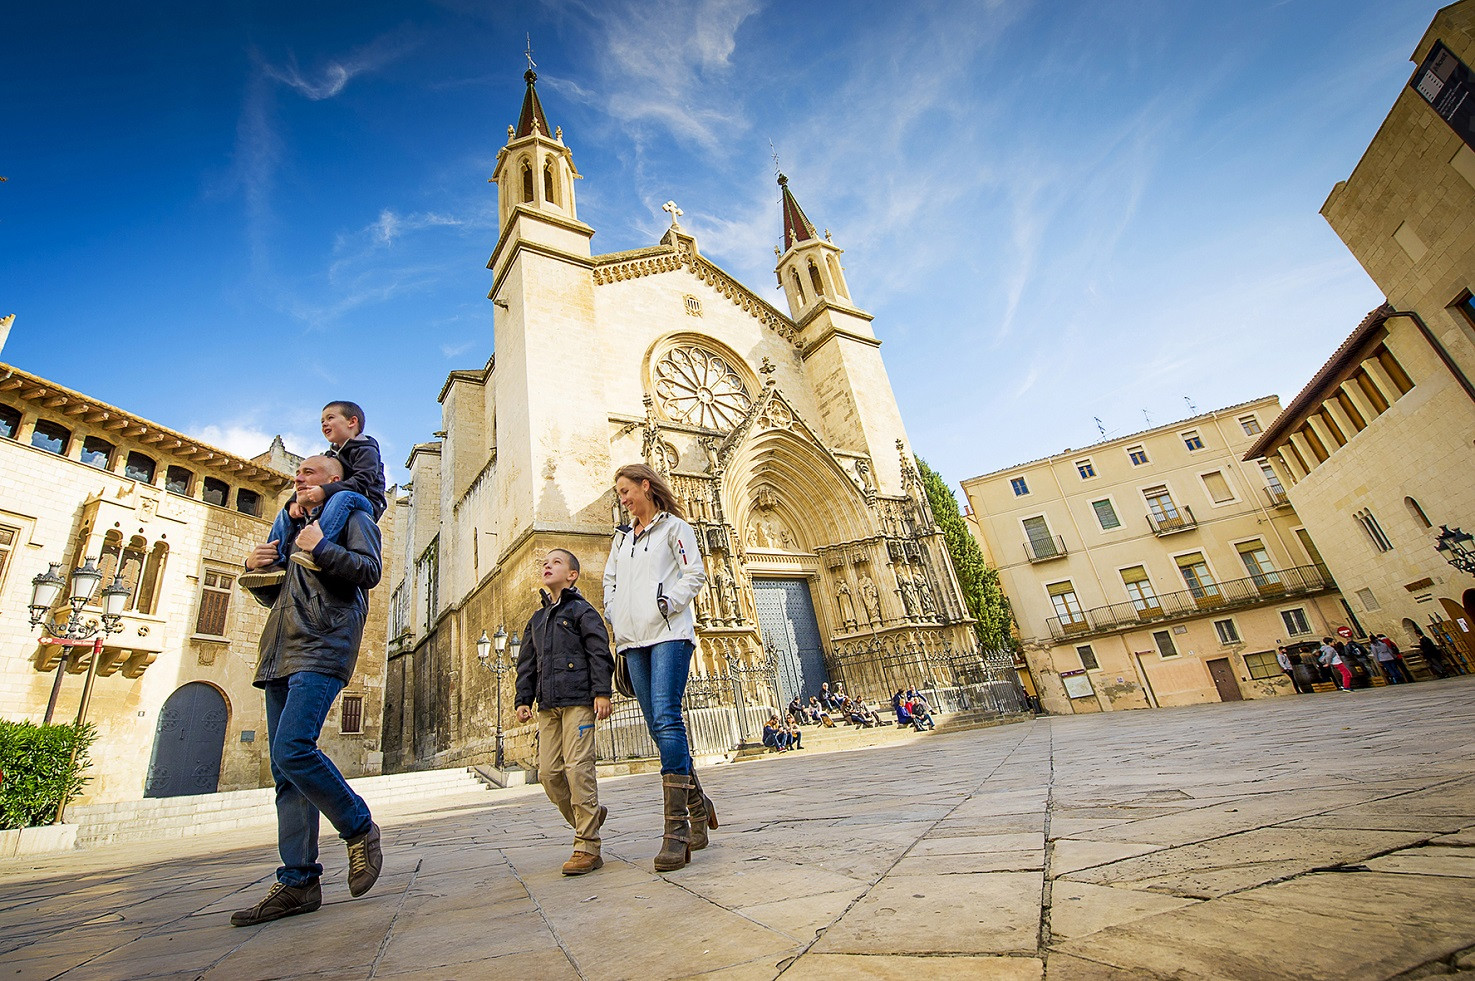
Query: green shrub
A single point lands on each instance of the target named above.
(37, 769)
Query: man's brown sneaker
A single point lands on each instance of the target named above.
(365, 859)
(272, 575)
(582, 863)
(304, 559)
(280, 900)
(599, 820)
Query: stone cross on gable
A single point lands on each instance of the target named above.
(670, 208)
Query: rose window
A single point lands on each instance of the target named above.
(700, 388)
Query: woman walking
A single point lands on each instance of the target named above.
(653, 574)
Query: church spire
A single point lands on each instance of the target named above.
(797, 228)
(535, 169)
(532, 110)
(808, 265)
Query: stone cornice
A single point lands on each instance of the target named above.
(634, 264)
(63, 403)
(833, 331)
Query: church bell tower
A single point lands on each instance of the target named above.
(842, 356)
(552, 426)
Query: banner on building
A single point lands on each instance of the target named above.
(1447, 85)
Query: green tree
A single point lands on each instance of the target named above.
(985, 597)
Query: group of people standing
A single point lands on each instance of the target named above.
(1349, 664)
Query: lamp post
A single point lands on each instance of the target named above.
(1455, 546)
(484, 648)
(76, 631)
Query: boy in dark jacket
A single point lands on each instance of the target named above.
(361, 488)
(566, 666)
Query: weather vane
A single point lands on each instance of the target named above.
(774, 149)
(529, 52)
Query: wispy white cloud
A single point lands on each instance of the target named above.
(330, 78)
(662, 65)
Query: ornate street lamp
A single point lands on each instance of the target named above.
(1455, 546)
(484, 648)
(76, 631)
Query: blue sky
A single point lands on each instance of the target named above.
(222, 215)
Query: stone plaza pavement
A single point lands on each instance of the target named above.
(1327, 836)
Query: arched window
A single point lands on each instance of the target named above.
(527, 181)
(112, 552)
(835, 275)
(819, 288)
(1417, 512)
(139, 467)
(798, 286)
(132, 567)
(148, 586)
(548, 190)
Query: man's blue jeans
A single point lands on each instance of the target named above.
(332, 518)
(658, 675)
(307, 781)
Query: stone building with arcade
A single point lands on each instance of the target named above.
(171, 518)
(778, 430)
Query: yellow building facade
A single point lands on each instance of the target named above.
(1377, 450)
(171, 518)
(1155, 569)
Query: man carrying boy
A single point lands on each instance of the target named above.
(360, 488)
(567, 668)
(308, 651)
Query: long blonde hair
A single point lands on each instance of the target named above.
(661, 494)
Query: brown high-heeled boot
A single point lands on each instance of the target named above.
(676, 843)
(701, 812)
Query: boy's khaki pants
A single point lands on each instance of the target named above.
(566, 767)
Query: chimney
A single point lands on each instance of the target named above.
(5, 323)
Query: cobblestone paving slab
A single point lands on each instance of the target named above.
(1309, 837)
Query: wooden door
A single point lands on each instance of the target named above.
(1223, 675)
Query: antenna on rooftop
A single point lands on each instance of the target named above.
(1100, 426)
(1146, 418)
(1191, 407)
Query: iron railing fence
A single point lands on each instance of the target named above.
(1277, 497)
(1170, 524)
(1267, 587)
(951, 680)
(1045, 549)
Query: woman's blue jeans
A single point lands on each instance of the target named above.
(658, 674)
(307, 781)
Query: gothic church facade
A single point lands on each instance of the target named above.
(778, 430)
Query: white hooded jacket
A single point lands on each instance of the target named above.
(662, 561)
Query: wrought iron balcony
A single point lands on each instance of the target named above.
(1277, 497)
(1045, 549)
(1268, 587)
(1172, 524)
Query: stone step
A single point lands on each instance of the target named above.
(181, 817)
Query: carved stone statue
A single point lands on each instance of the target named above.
(734, 597)
(905, 587)
(718, 594)
(846, 603)
(870, 599)
(709, 447)
(924, 596)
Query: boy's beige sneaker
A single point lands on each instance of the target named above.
(304, 559)
(582, 863)
(272, 575)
